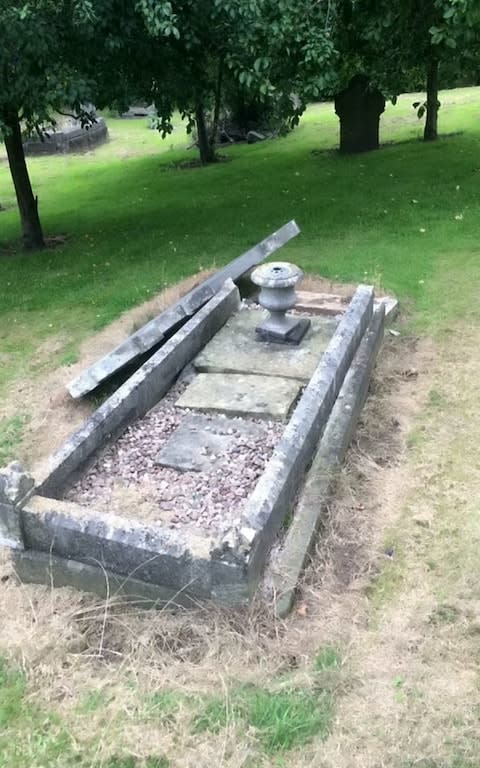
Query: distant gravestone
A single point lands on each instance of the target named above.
(359, 108)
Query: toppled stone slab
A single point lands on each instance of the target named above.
(201, 442)
(154, 332)
(142, 390)
(332, 304)
(241, 395)
(236, 350)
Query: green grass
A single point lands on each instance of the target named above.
(406, 217)
(30, 737)
(327, 658)
(134, 223)
(11, 433)
(281, 720)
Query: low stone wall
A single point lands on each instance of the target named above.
(76, 139)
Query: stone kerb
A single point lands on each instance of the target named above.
(16, 486)
(152, 554)
(289, 562)
(274, 495)
(142, 390)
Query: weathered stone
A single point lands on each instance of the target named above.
(321, 303)
(254, 136)
(72, 137)
(183, 567)
(288, 564)
(142, 390)
(15, 486)
(241, 395)
(200, 442)
(15, 483)
(160, 327)
(36, 567)
(151, 553)
(277, 281)
(273, 496)
(333, 304)
(235, 349)
(359, 107)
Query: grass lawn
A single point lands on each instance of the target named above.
(135, 223)
(380, 664)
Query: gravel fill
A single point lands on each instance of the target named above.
(125, 479)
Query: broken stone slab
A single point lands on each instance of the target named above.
(200, 443)
(241, 394)
(15, 486)
(321, 303)
(155, 331)
(285, 569)
(332, 304)
(235, 349)
(142, 390)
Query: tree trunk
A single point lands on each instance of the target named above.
(207, 151)
(27, 204)
(431, 121)
(218, 102)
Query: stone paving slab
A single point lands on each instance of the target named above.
(241, 394)
(201, 442)
(235, 349)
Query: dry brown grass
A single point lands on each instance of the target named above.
(66, 640)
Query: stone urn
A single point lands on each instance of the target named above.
(277, 281)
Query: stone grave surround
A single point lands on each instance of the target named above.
(238, 386)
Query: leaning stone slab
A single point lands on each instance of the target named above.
(15, 487)
(201, 442)
(274, 494)
(241, 395)
(285, 570)
(154, 332)
(236, 350)
(142, 390)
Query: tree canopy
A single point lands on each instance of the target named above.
(195, 55)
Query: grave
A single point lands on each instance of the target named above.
(69, 136)
(359, 107)
(178, 486)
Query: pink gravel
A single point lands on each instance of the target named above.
(125, 479)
